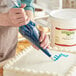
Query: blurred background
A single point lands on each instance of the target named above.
(42, 18)
(50, 4)
(55, 4)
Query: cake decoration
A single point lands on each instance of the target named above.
(59, 56)
(34, 63)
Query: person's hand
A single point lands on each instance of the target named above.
(18, 16)
(44, 40)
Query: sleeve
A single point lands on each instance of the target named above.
(29, 4)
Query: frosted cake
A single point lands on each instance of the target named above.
(35, 63)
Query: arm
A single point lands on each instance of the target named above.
(4, 21)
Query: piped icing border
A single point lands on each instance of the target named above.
(72, 71)
(8, 66)
(17, 57)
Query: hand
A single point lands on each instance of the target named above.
(18, 16)
(44, 40)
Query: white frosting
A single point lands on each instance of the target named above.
(66, 13)
(36, 63)
(66, 49)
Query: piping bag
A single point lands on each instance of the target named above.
(31, 32)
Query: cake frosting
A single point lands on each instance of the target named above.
(32, 62)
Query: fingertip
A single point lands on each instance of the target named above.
(48, 46)
(35, 47)
(44, 47)
(23, 5)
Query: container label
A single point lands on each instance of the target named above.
(65, 37)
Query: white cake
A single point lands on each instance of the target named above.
(35, 63)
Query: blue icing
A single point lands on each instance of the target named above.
(64, 55)
(57, 57)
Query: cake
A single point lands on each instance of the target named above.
(32, 62)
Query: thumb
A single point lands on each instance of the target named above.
(23, 5)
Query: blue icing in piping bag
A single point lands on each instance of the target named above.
(31, 32)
